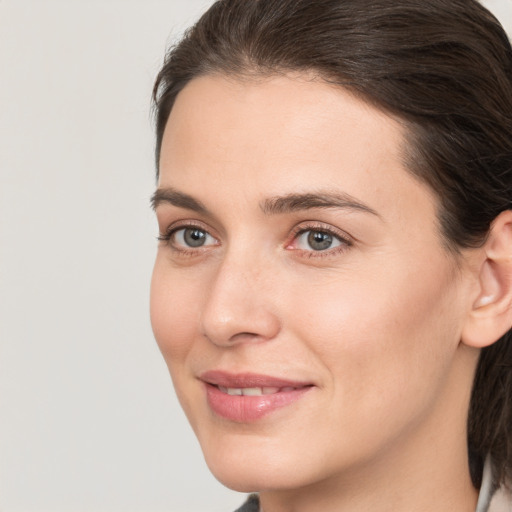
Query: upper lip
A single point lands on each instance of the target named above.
(248, 380)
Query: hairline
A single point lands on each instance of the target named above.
(408, 149)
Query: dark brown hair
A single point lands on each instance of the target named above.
(444, 67)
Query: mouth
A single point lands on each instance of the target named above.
(246, 398)
(257, 391)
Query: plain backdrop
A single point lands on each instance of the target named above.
(88, 418)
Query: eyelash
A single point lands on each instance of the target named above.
(345, 242)
(167, 238)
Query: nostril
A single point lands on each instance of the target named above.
(245, 336)
(235, 339)
(230, 334)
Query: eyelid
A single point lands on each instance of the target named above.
(173, 228)
(345, 239)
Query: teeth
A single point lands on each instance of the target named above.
(253, 391)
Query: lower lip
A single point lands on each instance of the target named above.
(245, 409)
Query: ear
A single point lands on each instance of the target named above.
(491, 313)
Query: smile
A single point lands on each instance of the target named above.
(255, 391)
(246, 398)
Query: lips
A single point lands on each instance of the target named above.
(254, 391)
(244, 398)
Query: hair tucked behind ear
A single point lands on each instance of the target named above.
(444, 67)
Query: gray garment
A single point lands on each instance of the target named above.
(492, 498)
(251, 505)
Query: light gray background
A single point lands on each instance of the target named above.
(88, 419)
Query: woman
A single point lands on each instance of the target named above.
(333, 286)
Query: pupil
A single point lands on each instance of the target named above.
(194, 237)
(319, 241)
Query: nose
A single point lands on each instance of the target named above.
(240, 305)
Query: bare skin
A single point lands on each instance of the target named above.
(357, 296)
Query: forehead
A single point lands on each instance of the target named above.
(268, 111)
(280, 114)
(285, 134)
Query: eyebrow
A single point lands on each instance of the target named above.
(297, 202)
(171, 196)
(271, 206)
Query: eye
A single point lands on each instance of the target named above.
(192, 237)
(187, 238)
(317, 240)
(313, 239)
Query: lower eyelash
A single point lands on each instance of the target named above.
(324, 254)
(167, 239)
(328, 253)
(345, 242)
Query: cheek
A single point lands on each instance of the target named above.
(392, 328)
(174, 308)
(387, 343)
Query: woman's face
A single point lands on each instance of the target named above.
(301, 297)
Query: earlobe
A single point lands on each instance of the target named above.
(491, 313)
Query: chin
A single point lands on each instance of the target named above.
(248, 477)
(239, 482)
(254, 465)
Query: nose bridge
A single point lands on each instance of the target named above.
(239, 305)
